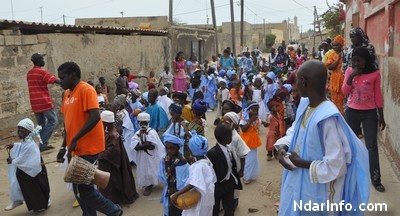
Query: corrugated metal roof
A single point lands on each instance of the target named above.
(46, 27)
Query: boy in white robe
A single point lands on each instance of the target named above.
(149, 152)
(128, 130)
(201, 178)
(164, 101)
(27, 176)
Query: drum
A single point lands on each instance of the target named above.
(188, 200)
(81, 171)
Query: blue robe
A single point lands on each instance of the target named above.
(134, 106)
(158, 117)
(211, 85)
(182, 175)
(297, 185)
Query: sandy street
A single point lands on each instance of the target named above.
(260, 195)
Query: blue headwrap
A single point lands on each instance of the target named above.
(175, 108)
(245, 114)
(199, 107)
(288, 87)
(198, 144)
(173, 139)
(221, 73)
(272, 76)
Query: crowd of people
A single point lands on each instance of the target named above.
(314, 110)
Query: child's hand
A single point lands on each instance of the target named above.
(9, 160)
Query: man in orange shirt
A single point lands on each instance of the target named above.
(84, 135)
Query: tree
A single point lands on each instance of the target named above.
(269, 40)
(333, 19)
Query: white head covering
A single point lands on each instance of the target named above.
(166, 90)
(107, 116)
(27, 124)
(143, 117)
(233, 116)
(30, 126)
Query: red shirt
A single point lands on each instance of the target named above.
(39, 94)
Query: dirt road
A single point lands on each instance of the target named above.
(261, 194)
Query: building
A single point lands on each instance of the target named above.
(381, 21)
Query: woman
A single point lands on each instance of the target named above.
(179, 72)
(362, 85)
(334, 64)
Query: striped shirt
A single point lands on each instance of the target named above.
(39, 94)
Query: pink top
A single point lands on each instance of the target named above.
(365, 91)
(180, 69)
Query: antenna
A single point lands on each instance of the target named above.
(122, 13)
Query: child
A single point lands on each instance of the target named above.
(26, 172)
(274, 130)
(210, 88)
(136, 107)
(249, 126)
(164, 101)
(159, 118)
(173, 172)
(196, 86)
(104, 87)
(214, 63)
(258, 98)
(201, 178)
(150, 151)
(248, 93)
(167, 79)
(180, 98)
(289, 107)
(222, 95)
(270, 88)
(102, 99)
(151, 79)
(178, 126)
(199, 108)
(237, 93)
(223, 163)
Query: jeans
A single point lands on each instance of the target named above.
(48, 120)
(369, 121)
(91, 200)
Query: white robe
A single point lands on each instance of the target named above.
(165, 102)
(26, 157)
(128, 132)
(203, 178)
(148, 165)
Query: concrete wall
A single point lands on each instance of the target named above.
(192, 40)
(380, 20)
(97, 55)
(156, 22)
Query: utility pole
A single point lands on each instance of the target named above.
(41, 14)
(314, 30)
(122, 13)
(214, 20)
(64, 19)
(171, 4)
(264, 29)
(233, 29)
(319, 24)
(12, 10)
(241, 23)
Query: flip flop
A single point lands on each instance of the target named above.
(379, 187)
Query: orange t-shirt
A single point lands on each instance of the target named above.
(235, 96)
(74, 107)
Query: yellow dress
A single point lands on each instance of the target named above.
(336, 81)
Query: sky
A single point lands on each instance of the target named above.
(186, 11)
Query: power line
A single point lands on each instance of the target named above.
(302, 5)
(81, 8)
(200, 10)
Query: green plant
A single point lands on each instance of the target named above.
(270, 40)
(333, 19)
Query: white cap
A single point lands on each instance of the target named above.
(143, 117)
(107, 116)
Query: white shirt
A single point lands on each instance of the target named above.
(239, 148)
(167, 78)
(228, 157)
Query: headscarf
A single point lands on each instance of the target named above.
(133, 85)
(107, 116)
(364, 53)
(136, 92)
(198, 144)
(246, 112)
(288, 87)
(173, 139)
(30, 126)
(175, 108)
(339, 39)
(233, 116)
(359, 32)
(221, 73)
(277, 70)
(199, 107)
(180, 95)
(145, 96)
(120, 100)
(272, 76)
(151, 86)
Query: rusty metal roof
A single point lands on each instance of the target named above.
(33, 27)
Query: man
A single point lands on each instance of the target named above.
(40, 98)
(327, 162)
(84, 135)
(121, 82)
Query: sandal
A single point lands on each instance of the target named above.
(379, 187)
